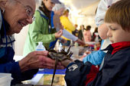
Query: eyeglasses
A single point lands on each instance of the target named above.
(30, 13)
(28, 9)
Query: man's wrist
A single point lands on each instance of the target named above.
(23, 66)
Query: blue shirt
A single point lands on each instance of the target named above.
(95, 57)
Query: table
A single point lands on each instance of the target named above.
(44, 76)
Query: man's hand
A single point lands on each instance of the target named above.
(37, 59)
(63, 41)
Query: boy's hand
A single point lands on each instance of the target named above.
(66, 62)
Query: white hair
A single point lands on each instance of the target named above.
(58, 7)
(38, 1)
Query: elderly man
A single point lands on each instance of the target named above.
(14, 15)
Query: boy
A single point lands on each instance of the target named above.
(116, 68)
(97, 57)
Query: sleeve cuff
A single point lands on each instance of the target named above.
(16, 72)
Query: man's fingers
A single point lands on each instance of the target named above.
(44, 53)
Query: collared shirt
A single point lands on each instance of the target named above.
(10, 40)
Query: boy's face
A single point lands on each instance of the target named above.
(116, 33)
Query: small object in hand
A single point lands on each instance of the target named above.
(59, 57)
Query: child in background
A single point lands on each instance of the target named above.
(87, 34)
(116, 68)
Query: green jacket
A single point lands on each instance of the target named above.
(38, 32)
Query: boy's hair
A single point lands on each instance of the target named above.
(119, 13)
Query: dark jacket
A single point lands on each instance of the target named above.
(7, 64)
(115, 71)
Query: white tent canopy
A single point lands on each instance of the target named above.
(82, 7)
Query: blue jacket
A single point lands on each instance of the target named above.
(115, 70)
(96, 57)
(7, 64)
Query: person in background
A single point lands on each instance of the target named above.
(116, 67)
(87, 34)
(94, 36)
(58, 11)
(76, 30)
(14, 15)
(40, 30)
(53, 43)
(66, 23)
(80, 33)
